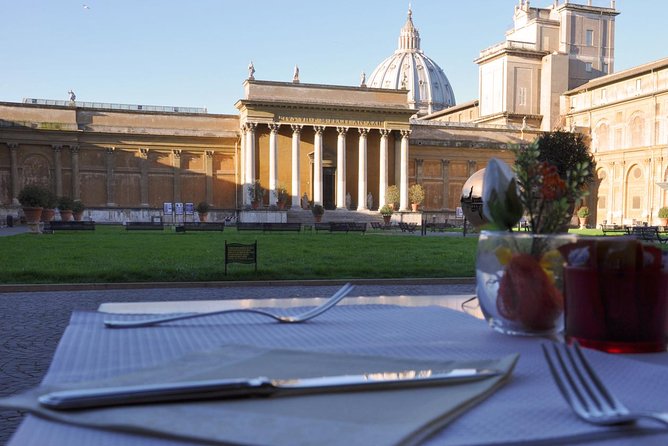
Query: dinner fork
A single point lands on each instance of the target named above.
(302, 317)
(585, 392)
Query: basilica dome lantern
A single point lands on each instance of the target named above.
(409, 68)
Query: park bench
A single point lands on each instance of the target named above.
(381, 226)
(407, 227)
(272, 227)
(440, 227)
(69, 226)
(648, 234)
(201, 226)
(347, 227)
(144, 226)
(614, 229)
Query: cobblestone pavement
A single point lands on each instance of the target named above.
(33, 322)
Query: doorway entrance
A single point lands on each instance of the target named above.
(329, 188)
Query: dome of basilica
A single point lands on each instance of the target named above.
(409, 68)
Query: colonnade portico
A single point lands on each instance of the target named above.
(250, 163)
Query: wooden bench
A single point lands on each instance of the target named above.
(347, 227)
(407, 227)
(69, 226)
(614, 229)
(201, 226)
(440, 227)
(381, 226)
(648, 234)
(272, 227)
(144, 226)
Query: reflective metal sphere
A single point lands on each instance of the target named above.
(471, 199)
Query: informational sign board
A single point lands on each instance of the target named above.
(167, 208)
(190, 208)
(179, 208)
(240, 253)
(459, 212)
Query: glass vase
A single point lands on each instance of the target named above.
(519, 281)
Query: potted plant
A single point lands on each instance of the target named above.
(317, 211)
(203, 210)
(50, 205)
(281, 196)
(663, 215)
(392, 196)
(256, 193)
(33, 199)
(77, 210)
(386, 211)
(65, 206)
(583, 213)
(416, 196)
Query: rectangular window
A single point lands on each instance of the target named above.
(604, 95)
(638, 85)
(589, 38)
(636, 202)
(605, 68)
(588, 67)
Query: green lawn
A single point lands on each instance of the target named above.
(111, 254)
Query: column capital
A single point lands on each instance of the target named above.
(296, 128)
(208, 153)
(418, 161)
(249, 126)
(363, 131)
(405, 133)
(274, 126)
(342, 130)
(56, 147)
(445, 162)
(110, 150)
(177, 153)
(74, 148)
(143, 153)
(385, 132)
(319, 128)
(12, 145)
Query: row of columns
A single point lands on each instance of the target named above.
(248, 164)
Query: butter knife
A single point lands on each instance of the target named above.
(255, 387)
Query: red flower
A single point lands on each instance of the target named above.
(553, 186)
(527, 295)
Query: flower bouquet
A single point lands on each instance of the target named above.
(519, 275)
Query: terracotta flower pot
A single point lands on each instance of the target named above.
(66, 215)
(203, 216)
(48, 214)
(33, 215)
(78, 216)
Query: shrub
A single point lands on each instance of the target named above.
(392, 195)
(256, 191)
(583, 212)
(78, 206)
(317, 209)
(34, 196)
(203, 207)
(416, 194)
(663, 212)
(386, 210)
(65, 204)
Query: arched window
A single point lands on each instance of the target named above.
(637, 131)
(602, 137)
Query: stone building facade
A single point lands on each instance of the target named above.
(329, 142)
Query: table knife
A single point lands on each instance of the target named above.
(255, 387)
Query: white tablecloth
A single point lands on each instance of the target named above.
(528, 410)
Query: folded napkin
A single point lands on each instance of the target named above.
(379, 417)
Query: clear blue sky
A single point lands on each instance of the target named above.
(196, 52)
